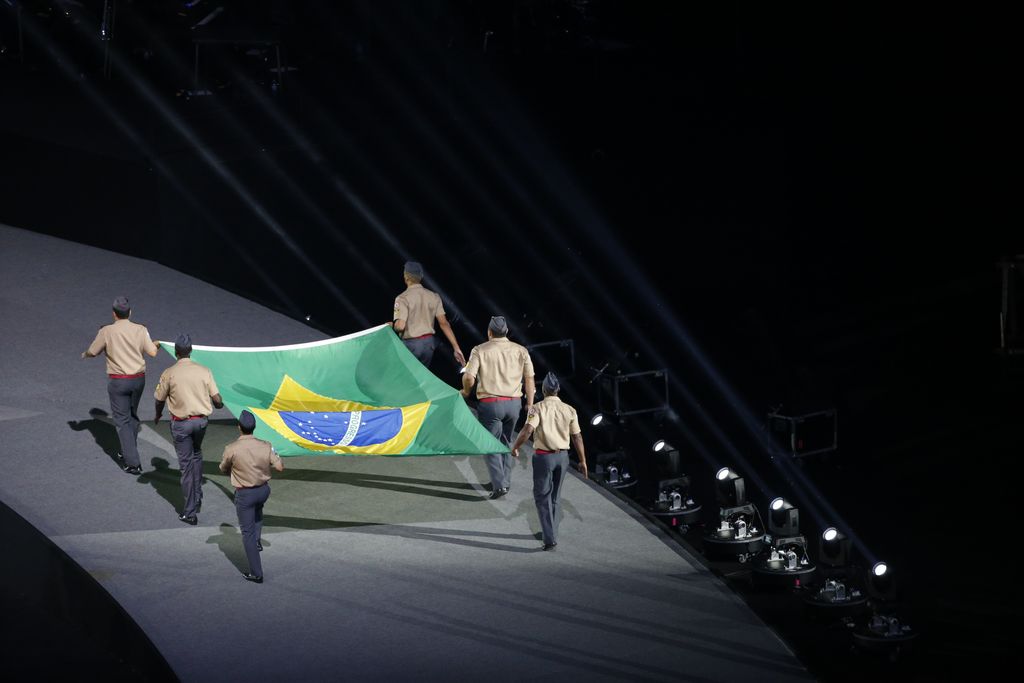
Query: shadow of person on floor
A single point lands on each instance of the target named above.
(383, 482)
(103, 432)
(386, 478)
(441, 535)
(229, 541)
(435, 534)
(527, 507)
(211, 467)
(304, 523)
(309, 523)
(454, 537)
(165, 481)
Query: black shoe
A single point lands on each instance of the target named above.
(132, 469)
(549, 546)
(259, 546)
(498, 494)
(192, 519)
(252, 577)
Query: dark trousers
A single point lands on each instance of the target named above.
(124, 408)
(423, 349)
(188, 444)
(548, 474)
(499, 418)
(249, 506)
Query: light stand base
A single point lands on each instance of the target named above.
(681, 519)
(626, 488)
(765, 574)
(830, 611)
(890, 646)
(740, 548)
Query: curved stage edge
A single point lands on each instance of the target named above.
(375, 567)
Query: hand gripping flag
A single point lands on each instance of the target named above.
(361, 394)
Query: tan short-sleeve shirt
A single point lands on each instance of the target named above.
(418, 307)
(500, 366)
(249, 459)
(553, 424)
(125, 344)
(187, 387)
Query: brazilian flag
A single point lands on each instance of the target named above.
(361, 394)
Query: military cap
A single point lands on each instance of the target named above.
(498, 325)
(247, 421)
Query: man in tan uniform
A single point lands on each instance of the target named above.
(501, 371)
(125, 343)
(552, 424)
(416, 309)
(191, 395)
(249, 460)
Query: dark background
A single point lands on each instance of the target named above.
(793, 206)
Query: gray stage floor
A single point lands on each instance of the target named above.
(375, 568)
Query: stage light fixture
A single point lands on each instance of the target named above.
(666, 459)
(674, 503)
(835, 548)
(884, 632)
(740, 531)
(783, 518)
(672, 500)
(837, 591)
(784, 561)
(606, 431)
(730, 491)
(615, 470)
(880, 582)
